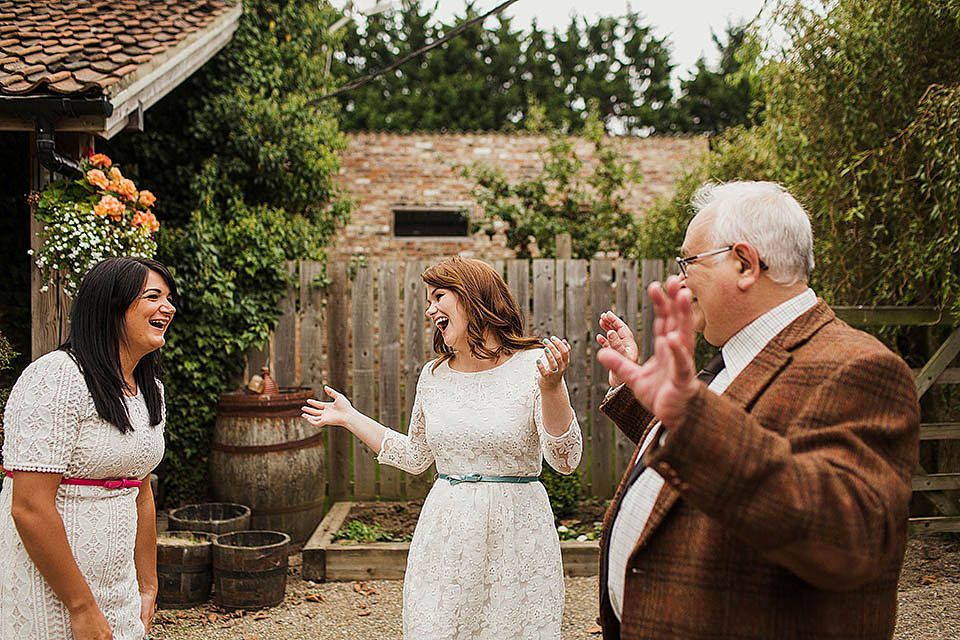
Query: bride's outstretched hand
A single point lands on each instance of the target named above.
(328, 414)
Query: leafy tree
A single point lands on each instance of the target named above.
(862, 123)
(561, 200)
(490, 79)
(243, 172)
(716, 99)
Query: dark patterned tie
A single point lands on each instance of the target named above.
(707, 374)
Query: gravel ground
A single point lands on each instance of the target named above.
(929, 606)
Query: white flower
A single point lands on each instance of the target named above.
(562, 529)
(581, 538)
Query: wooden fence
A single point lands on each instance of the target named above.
(365, 334)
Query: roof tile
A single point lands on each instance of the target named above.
(72, 46)
(19, 87)
(67, 86)
(88, 76)
(104, 66)
(125, 70)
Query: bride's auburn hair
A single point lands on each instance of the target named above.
(488, 304)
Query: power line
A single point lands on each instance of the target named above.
(436, 43)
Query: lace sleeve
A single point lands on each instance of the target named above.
(43, 413)
(408, 452)
(561, 452)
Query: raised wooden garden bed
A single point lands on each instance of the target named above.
(326, 559)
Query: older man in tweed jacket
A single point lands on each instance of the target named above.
(771, 504)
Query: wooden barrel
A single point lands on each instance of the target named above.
(184, 568)
(212, 517)
(264, 456)
(250, 569)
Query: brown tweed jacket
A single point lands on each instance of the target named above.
(784, 512)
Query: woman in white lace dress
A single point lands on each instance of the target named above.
(484, 563)
(84, 428)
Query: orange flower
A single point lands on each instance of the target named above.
(145, 219)
(110, 206)
(97, 178)
(152, 223)
(147, 199)
(127, 189)
(115, 174)
(100, 160)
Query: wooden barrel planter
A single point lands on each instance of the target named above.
(212, 517)
(184, 568)
(250, 569)
(264, 456)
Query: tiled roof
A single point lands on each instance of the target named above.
(64, 48)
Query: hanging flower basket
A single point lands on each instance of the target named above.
(100, 215)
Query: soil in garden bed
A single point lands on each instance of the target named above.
(400, 518)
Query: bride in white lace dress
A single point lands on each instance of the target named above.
(84, 428)
(484, 563)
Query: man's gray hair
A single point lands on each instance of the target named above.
(768, 217)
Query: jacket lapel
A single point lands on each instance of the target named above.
(745, 389)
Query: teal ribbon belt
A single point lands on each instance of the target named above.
(457, 478)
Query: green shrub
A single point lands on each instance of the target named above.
(7, 354)
(564, 491)
(357, 531)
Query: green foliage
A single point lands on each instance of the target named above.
(244, 180)
(357, 531)
(560, 200)
(862, 123)
(580, 532)
(7, 356)
(490, 79)
(564, 491)
(714, 100)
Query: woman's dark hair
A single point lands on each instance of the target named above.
(98, 324)
(488, 304)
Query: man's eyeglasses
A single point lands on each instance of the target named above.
(683, 262)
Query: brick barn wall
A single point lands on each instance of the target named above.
(384, 170)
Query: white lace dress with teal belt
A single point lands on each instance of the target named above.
(484, 563)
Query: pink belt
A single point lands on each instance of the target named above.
(119, 483)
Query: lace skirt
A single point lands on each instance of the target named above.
(484, 564)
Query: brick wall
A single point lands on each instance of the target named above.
(384, 170)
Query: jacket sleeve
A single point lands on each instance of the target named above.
(825, 492)
(631, 417)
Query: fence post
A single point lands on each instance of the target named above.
(544, 298)
(338, 348)
(364, 390)
(652, 271)
(311, 326)
(601, 428)
(578, 334)
(388, 289)
(626, 298)
(414, 325)
(518, 280)
(285, 335)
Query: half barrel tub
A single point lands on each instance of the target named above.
(250, 569)
(184, 568)
(212, 517)
(264, 456)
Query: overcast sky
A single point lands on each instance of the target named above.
(685, 23)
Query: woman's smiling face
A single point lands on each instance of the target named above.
(447, 315)
(147, 319)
